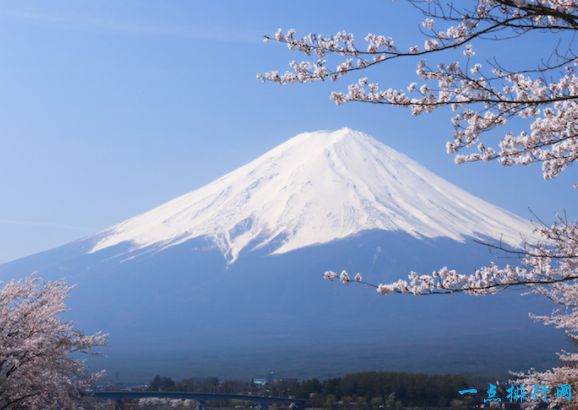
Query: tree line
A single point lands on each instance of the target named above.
(362, 390)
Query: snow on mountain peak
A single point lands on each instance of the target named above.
(315, 188)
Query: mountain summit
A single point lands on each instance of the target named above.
(315, 188)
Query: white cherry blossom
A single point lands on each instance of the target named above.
(36, 369)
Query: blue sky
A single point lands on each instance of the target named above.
(110, 108)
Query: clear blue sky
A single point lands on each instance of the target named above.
(109, 108)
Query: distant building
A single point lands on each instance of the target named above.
(264, 381)
(259, 381)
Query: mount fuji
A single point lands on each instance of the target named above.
(225, 280)
(315, 188)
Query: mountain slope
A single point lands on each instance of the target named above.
(315, 188)
(158, 283)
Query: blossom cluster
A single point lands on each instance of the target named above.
(543, 97)
(36, 370)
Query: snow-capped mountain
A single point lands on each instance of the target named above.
(315, 188)
(226, 280)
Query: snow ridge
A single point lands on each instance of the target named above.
(315, 188)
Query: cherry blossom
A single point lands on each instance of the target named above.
(541, 99)
(543, 95)
(36, 370)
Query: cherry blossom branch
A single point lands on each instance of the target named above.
(438, 288)
(483, 101)
(551, 263)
